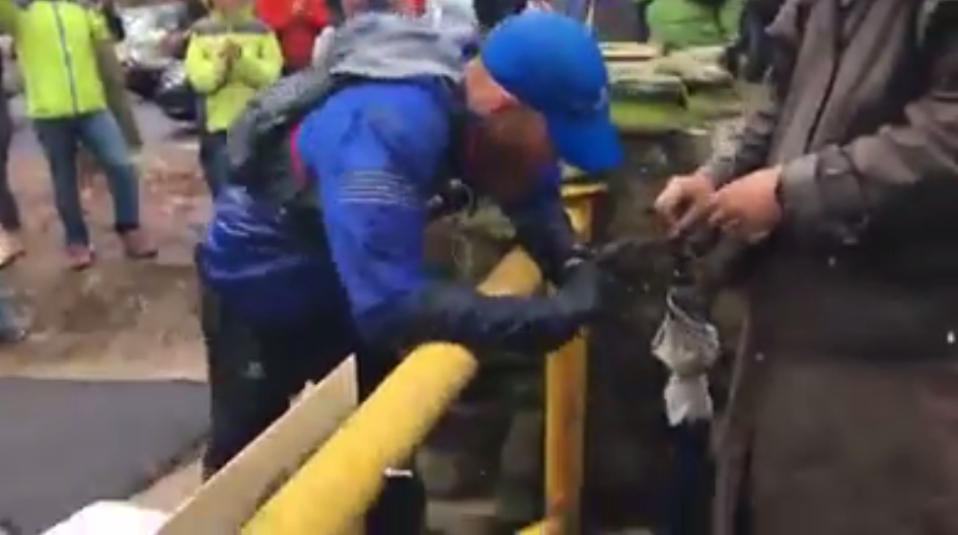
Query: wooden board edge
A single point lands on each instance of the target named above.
(229, 499)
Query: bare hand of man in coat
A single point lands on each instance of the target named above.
(684, 201)
(747, 207)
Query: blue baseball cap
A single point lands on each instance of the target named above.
(552, 64)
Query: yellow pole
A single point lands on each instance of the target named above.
(566, 374)
(549, 526)
(565, 431)
(337, 484)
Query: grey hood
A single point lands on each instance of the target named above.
(387, 46)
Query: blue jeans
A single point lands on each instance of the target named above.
(7, 321)
(100, 134)
(214, 161)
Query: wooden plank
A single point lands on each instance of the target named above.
(233, 495)
(626, 51)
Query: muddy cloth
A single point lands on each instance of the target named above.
(66, 444)
(842, 410)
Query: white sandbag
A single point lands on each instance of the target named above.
(111, 518)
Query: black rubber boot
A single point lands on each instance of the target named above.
(401, 507)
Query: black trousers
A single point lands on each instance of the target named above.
(9, 212)
(693, 481)
(255, 370)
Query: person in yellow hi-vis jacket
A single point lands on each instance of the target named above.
(230, 57)
(57, 42)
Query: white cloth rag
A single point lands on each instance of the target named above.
(688, 347)
(687, 399)
(111, 518)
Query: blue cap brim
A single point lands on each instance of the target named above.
(592, 144)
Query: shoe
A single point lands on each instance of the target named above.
(7, 527)
(79, 257)
(13, 335)
(137, 244)
(11, 249)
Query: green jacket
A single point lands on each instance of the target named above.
(55, 42)
(686, 23)
(227, 87)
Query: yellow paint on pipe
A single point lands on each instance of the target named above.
(515, 274)
(565, 432)
(566, 372)
(549, 526)
(579, 200)
(577, 191)
(333, 489)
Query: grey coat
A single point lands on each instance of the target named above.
(843, 415)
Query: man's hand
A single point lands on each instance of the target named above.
(684, 201)
(747, 207)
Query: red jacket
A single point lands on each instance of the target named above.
(296, 23)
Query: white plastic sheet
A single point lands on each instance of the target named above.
(111, 518)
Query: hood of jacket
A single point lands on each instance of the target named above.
(391, 47)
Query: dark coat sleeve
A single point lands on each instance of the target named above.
(749, 149)
(543, 227)
(850, 185)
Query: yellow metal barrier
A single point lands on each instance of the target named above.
(546, 527)
(566, 380)
(330, 492)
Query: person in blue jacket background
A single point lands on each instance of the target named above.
(282, 306)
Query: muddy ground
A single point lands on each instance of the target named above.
(120, 319)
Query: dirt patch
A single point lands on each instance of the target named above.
(121, 318)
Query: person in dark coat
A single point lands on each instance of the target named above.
(843, 409)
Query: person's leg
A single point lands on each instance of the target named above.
(244, 398)
(9, 212)
(102, 137)
(213, 159)
(642, 20)
(58, 138)
(401, 506)
(692, 480)
(10, 329)
(11, 247)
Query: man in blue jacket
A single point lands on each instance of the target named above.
(289, 291)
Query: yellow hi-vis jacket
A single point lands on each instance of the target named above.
(226, 88)
(55, 42)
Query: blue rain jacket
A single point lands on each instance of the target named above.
(375, 151)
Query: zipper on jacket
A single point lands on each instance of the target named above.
(67, 60)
